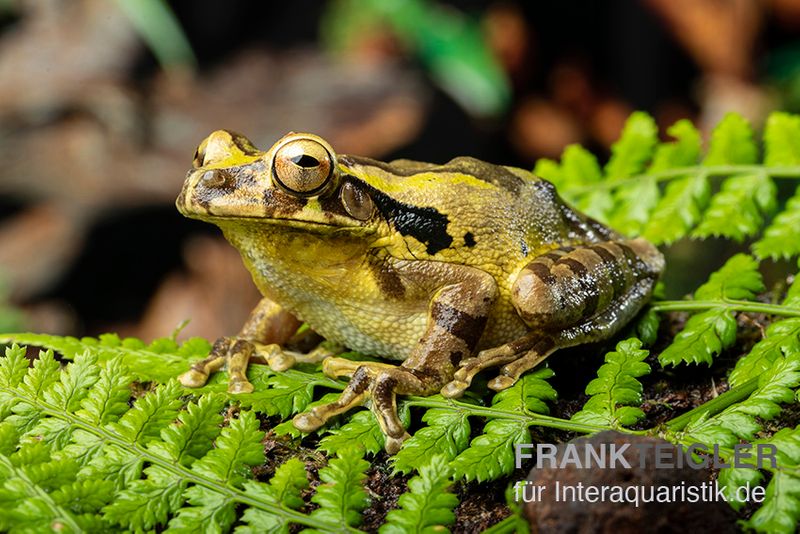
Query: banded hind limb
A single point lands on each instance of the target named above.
(569, 296)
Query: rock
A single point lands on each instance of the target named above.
(549, 515)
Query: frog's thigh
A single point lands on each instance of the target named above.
(267, 326)
(567, 297)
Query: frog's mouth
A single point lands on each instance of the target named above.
(276, 224)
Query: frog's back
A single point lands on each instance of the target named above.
(476, 213)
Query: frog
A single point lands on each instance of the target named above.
(436, 271)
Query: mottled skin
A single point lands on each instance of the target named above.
(449, 268)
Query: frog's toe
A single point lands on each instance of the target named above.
(193, 378)
(307, 422)
(392, 445)
(454, 389)
(240, 386)
(501, 382)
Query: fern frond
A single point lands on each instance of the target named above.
(780, 511)
(741, 420)
(159, 361)
(740, 208)
(428, 505)
(706, 334)
(616, 392)
(781, 337)
(447, 435)
(341, 496)
(491, 454)
(732, 142)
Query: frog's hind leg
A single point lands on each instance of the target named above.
(456, 317)
(569, 296)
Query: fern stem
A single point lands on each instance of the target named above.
(509, 524)
(733, 305)
(529, 418)
(59, 514)
(178, 469)
(778, 171)
(714, 406)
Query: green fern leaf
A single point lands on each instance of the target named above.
(579, 166)
(108, 399)
(341, 496)
(704, 336)
(550, 171)
(447, 435)
(683, 152)
(238, 446)
(707, 334)
(156, 362)
(732, 142)
(629, 155)
(631, 152)
(616, 389)
(529, 393)
(738, 279)
(740, 421)
(781, 337)
(150, 414)
(782, 139)
(679, 210)
(491, 455)
(283, 489)
(13, 367)
(780, 238)
(287, 393)
(144, 504)
(739, 209)
(428, 505)
(199, 427)
(781, 509)
(361, 428)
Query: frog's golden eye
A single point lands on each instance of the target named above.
(357, 202)
(302, 166)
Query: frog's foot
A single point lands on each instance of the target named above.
(377, 381)
(516, 357)
(232, 352)
(236, 353)
(280, 359)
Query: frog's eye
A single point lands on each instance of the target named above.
(357, 202)
(199, 155)
(302, 166)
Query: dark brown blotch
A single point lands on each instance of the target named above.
(460, 324)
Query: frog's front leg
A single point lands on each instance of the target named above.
(268, 327)
(569, 296)
(457, 316)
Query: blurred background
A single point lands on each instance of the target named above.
(103, 102)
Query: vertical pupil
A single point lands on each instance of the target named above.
(305, 161)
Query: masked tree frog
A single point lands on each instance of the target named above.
(446, 269)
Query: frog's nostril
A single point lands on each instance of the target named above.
(216, 178)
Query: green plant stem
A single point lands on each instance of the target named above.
(714, 406)
(527, 417)
(509, 524)
(733, 305)
(780, 171)
(179, 470)
(59, 513)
